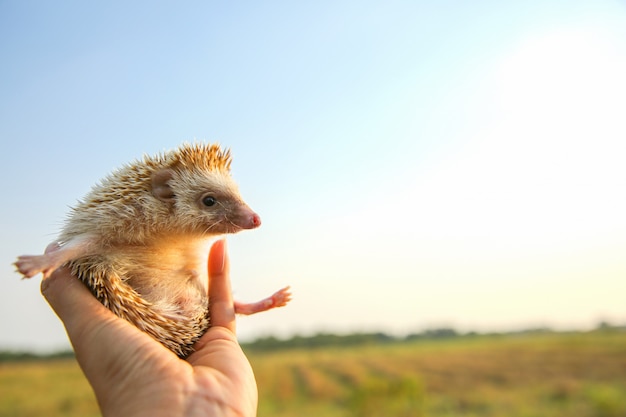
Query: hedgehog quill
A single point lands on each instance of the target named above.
(140, 239)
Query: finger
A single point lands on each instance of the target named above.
(221, 307)
(82, 315)
(71, 300)
(106, 346)
(87, 322)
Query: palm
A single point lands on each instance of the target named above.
(133, 375)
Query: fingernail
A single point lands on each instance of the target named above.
(217, 265)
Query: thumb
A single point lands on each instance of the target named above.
(221, 307)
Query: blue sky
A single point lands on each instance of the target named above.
(415, 164)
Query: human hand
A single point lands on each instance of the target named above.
(133, 375)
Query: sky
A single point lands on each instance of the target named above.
(415, 164)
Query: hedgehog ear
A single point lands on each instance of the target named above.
(160, 185)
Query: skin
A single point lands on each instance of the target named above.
(133, 375)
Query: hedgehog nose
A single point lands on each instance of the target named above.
(256, 220)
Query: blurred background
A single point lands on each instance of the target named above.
(415, 164)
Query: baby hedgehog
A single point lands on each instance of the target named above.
(140, 241)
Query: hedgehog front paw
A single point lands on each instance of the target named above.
(278, 299)
(281, 297)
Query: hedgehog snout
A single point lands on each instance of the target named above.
(251, 221)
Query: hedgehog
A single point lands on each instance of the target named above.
(139, 240)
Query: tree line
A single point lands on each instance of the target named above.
(324, 339)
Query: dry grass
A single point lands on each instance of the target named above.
(54, 388)
(552, 375)
(578, 375)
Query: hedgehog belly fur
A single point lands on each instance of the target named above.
(161, 288)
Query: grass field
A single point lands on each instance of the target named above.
(547, 375)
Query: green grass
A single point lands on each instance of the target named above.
(549, 375)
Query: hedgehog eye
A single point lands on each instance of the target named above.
(209, 201)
